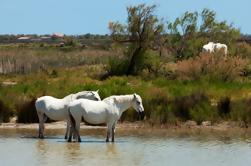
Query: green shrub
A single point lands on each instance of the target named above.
(241, 111)
(130, 115)
(5, 112)
(26, 111)
(224, 106)
(158, 106)
(117, 66)
(54, 74)
(203, 112)
(183, 105)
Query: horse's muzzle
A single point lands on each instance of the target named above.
(141, 115)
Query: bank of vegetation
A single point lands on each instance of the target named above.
(160, 61)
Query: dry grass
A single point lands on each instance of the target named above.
(27, 60)
(215, 67)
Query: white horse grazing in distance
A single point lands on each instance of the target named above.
(56, 109)
(208, 47)
(107, 111)
(219, 46)
(215, 47)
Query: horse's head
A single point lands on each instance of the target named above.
(138, 105)
(91, 95)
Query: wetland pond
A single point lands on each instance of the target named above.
(131, 147)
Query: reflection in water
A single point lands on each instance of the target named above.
(72, 153)
(42, 148)
(111, 149)
(129, 149)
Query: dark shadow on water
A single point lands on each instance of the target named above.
(36, 137)
(93, 141)
(62, 140)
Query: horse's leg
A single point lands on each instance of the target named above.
(42, 125)
(74, 134)
(113, 131)
(109, 131)
(74, 127)
(67, 129)
(40, 118)
(77, 130)
(71, 126)
(39, 124)
(70, 133)
(40, 130)
(107, 135)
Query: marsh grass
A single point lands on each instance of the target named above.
(241, 111)
(5, 112)
(28, 60)
(165, 101)
(212, 66)
(26, 111)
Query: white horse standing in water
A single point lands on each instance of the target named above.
(56, 109)
(107, 111)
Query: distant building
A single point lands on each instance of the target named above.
(24, 38)
(36, 40)
(58, 35)
(45, 38)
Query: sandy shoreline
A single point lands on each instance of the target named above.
(224, 126)
(222, 131)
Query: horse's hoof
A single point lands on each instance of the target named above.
(68, 140)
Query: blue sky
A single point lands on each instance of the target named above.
(83, 16)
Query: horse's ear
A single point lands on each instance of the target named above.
(97, 90)
(134, 96)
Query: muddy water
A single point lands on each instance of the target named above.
(21, 147)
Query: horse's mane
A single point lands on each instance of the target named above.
(77, 93)
(118, 98)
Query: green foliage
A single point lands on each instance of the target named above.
(203, 111)
(165, 101)
(224, 107)
(150, 61)
(188, 33)
(117, 66)
(5, 112)
(241, 111)
(26, 111)
(141, 32)
(54, 73)
(158, 107)
(70, 41)
(184, 105)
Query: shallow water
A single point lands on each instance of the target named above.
(21, 147)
